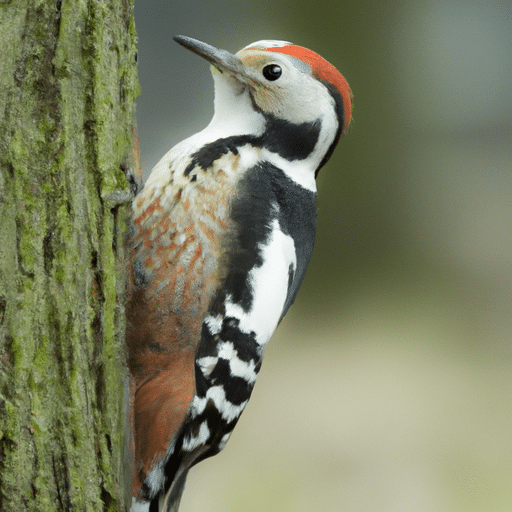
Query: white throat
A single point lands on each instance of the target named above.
(234, 111)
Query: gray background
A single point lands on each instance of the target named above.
(388, 386)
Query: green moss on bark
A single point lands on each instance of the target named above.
(67, 90)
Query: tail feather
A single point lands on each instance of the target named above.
(170, 502)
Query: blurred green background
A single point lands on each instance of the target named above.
(388, 386)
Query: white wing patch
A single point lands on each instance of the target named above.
(269, 284)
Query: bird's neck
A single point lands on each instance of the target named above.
(234, 111)
(239, 125)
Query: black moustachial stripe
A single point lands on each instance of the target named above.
(288, 140)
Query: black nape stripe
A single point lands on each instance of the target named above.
(340, 114)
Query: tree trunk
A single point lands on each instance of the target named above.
(67, 89)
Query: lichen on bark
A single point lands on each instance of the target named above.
(67, 90)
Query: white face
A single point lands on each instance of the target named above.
(270, 83)
(295, 95)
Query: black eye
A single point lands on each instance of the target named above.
(272, 72)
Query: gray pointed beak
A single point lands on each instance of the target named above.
(221, 59)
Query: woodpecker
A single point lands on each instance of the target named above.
(222, 233)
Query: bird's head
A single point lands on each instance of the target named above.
(287, 87)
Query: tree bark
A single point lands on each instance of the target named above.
(67, 88)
